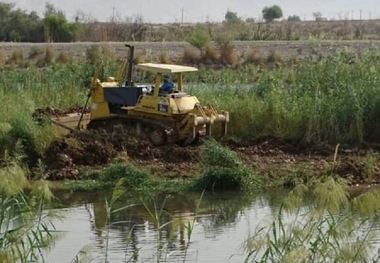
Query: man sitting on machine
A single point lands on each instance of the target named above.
(167, 86)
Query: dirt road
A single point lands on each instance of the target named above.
(152, 50)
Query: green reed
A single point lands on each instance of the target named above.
(25, 227)
(332, 99)
(333, 228)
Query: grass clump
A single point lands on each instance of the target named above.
(134, 177)
(228, 55)
(16, 58)
(210, 55)
(224, 170)
(254, 57)
(191, 56)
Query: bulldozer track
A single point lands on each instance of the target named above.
(129, 128)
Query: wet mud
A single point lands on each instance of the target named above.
(271, 157)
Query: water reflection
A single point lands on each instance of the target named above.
(157, 227)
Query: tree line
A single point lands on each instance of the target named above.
(19, 26)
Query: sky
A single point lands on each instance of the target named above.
(175, 11)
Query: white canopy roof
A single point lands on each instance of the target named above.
(165, 68)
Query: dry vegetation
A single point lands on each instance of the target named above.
(226, 44)
(229, 53)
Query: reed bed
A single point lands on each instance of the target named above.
(322, 99)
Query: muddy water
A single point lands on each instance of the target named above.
(156, 226)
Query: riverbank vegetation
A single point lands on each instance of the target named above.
(26, 229)
(319, 100)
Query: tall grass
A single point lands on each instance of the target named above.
(333, 99)
(25, 228)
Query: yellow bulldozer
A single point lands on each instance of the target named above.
(118, 107)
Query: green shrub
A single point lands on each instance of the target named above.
(224, 170)
(213, 154)
(199, 38)
(133, 177)
(241, 177)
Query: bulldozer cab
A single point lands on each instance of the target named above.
(175, 72)
(163, 101)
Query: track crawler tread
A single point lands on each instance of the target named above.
(121, 128)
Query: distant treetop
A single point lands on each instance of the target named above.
(272, 13)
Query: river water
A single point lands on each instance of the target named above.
(155, 228)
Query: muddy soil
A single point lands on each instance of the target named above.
(272, 157)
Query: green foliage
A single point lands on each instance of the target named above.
(57, 28)
(294, 18)
(134, 177)
(214, 154)
(17, 25)
(199, 37)
(232, 17)
(224, 169)
(272, 13)
(25, 227)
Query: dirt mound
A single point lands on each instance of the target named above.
(65, 154)
(272, 157)
(41, 113)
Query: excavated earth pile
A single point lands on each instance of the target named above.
(269, 156)
(272, 157)
(64, 155)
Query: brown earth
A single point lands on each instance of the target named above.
(272, 157)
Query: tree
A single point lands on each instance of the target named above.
(57, 28)
(231, 17)
(294, 18)
(17, 25)
(317, 16)
(272, 13)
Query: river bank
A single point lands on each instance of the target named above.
(278, 160)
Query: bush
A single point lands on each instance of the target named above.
(228, 55)
(254, 57)
(199, 38)
(224, 170)
(191, 57)
(134, 177)
(213, 154)
(210, 55)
